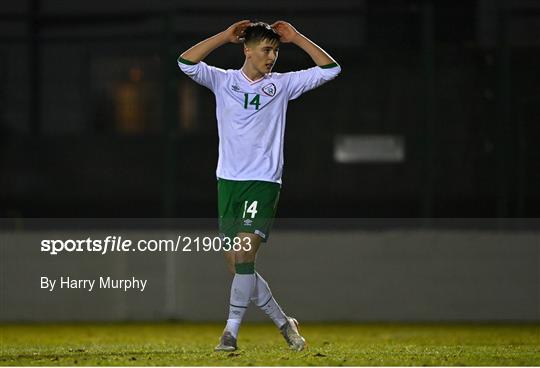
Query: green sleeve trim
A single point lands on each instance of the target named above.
(184, 61)
(328, 66)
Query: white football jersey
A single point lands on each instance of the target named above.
(251, 115)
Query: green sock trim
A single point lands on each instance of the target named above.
(245, 268)
(328, 66)
(184, 61)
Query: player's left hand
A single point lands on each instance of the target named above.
(287, 33)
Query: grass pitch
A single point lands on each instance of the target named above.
(262, 345)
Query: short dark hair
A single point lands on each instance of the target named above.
(259, 31)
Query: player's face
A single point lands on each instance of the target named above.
(263, 55)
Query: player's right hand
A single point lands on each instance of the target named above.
(235, 33)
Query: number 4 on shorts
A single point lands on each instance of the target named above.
(252, 209)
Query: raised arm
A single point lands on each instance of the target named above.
(288, 34)
(201, 50)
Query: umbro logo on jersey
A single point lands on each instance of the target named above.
(235, 88)
(270, 89)
(247, 222)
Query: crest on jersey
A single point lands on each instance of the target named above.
(270, 89)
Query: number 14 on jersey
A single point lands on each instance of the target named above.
(255, 101)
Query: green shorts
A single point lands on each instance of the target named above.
(247, 207)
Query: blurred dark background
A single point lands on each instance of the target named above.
(436, 112)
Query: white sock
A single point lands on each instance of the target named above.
(241, 289)
(262, 297)
(233, 325)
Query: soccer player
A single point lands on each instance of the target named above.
(251, 104)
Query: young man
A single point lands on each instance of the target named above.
(251, 107)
